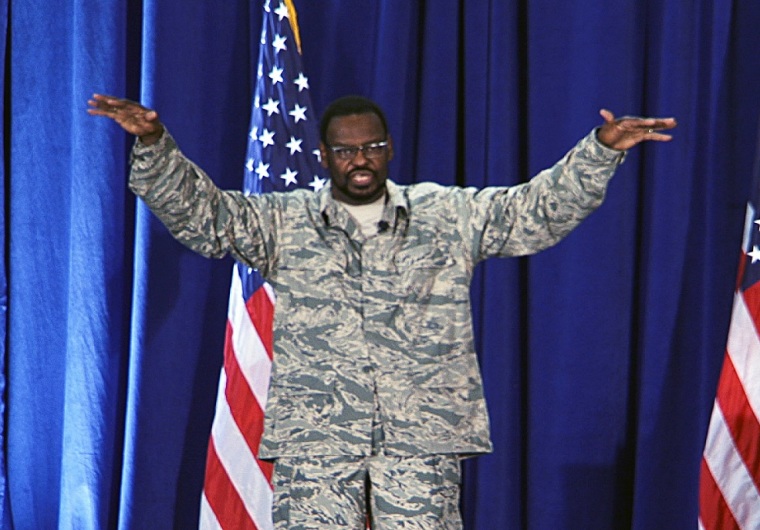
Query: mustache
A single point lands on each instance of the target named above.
(363, 169)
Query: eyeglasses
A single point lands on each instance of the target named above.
(345, 152)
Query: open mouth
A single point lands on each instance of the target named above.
(361, 178)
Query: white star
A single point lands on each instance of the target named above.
(276, 75)
(254, 134)
(318, 154)
(279, 43)
(294, 145)
(262, 170)
(289, 177)
(266, 137)
(271, 107)
(317, 183)
(282, 12)
(755, 254)
(758, 224)
(249, 165)
(298, 113)
(302, 81)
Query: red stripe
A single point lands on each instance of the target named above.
(244, 406)
(261, 312)
(752, 301)
(740, 419)
(222, 496)
(742, 266)
(713, 510)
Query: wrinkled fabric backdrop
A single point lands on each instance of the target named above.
(600, 356)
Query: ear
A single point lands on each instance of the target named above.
(390, 147)
(323, 155)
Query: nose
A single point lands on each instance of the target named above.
(359, 157)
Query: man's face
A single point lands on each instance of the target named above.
(359, 179)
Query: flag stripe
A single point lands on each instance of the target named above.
(741, 399)
(261, 312)
(243, 470)
(740, 420)
(746, 354)
(244, 408)
(730, 473)
(222, 497)
(208, 520)
(253, 354)
(713, 510)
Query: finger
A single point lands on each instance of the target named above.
(101, 111)
(659, 124)
(659, 137)
(608, 116)
(103, 97)
(114, 105)
(647, 123)
(665, 123)
(106, 100)
(133, 113)
(96, 112)
(123, 112)
(104, 106)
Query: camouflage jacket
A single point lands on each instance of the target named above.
(387, 315)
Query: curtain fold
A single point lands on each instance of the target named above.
(599, 356)
(67, 259)
(5, 512)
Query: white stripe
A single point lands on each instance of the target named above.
(744, 350)
(731, 475)
(700, 526)
(240, 464)
(249, 350)
(207, 519)
(749, 224)
(270, 292)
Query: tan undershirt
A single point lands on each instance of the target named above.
(367, 216)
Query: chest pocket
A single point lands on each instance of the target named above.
(309, 274)
(429, 273)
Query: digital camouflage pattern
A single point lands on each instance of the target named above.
(386, 316)
(314, 493)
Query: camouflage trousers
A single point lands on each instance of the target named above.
(391, 492)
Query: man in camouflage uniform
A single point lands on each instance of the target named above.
(376, 393)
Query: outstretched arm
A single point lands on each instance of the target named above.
(131, 116)
(626, 132)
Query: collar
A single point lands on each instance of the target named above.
(396, 206)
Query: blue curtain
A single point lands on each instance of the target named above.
(5, 519)
(600, 356)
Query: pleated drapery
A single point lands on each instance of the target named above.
(600, 356)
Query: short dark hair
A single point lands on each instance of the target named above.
(346, 106)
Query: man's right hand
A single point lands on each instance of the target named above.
(133, 117)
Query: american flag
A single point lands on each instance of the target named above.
(282, 155)
(729, 490)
